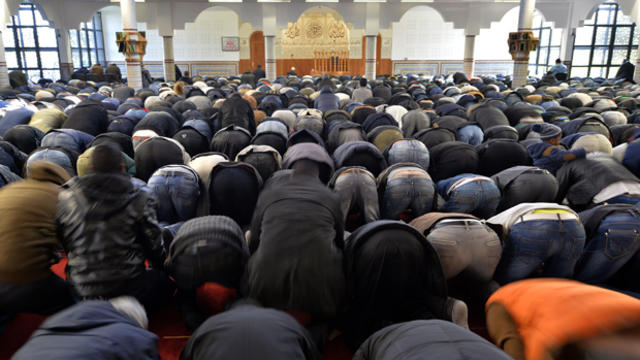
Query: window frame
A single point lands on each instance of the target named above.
(20, 51)
(610, 47)
(92, 54)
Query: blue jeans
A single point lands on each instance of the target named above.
(412, 195)
(177, 193)
(471, 134)
(616, 242)
(479, 198)
(624, 199)
(555, 243)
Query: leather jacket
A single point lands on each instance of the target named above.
(107, 226)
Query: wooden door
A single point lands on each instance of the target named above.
(256, 43)
(378, 54)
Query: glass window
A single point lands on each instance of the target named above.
(542, 60)
(88, 48)
(31, 44)
(604, 42)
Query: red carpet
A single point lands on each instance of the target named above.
(169, 327)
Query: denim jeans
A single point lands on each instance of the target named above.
(479, 198)
(616, 242)
(556, 244)
(466, 246)
(409, 150)
(409, 193)
(624, 199)
(471, 134)
(177, 192)
(357, 191)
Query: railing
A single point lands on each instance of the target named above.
(331, 61)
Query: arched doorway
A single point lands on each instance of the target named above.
(256, 44)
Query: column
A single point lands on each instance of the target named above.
(521, 64)
(130, 26)
(169, 62)
(566, 45)
(270, 56)
(66, 60)
(469, 58)
(4, 72)
(370, 59)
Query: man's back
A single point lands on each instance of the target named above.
(108, 229)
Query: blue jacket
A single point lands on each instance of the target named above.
(631, 159)
(90, 330)
(326, 100)
(554, 160)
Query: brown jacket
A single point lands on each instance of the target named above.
(27, 225)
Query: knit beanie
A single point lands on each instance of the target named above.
(547, 131)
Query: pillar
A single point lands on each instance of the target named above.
(270, 56)
(469, 58)
(169, 62)
(370, 59)
(4, 72)
(568, 34)
(64, 49)
(130, 26)
(521, 65)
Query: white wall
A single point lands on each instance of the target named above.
(199, 41)
(422, 34)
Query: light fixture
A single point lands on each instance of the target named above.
(274, 1)
(322, 1)
(117, 1)
(417, 1)
(225, 1)
(369, 1)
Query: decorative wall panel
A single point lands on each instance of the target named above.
(314, 31)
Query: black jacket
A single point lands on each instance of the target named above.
(107, 224)
(90, 330)
(237, 111)
(582, 179)
(259, 74)
(427, 339)
(296, 244)
(249, 332)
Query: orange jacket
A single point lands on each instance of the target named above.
(550, 313)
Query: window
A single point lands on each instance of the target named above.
(604, 42)
(548, 49)
(87, 43)
(31, 45)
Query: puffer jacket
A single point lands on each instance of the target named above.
(108, 228)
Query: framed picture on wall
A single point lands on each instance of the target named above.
(230, 43)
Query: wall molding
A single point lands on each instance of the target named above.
(195, 68)
(435, 67)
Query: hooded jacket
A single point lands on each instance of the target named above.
(554, 159)
(88, 116)
(27, 227)
(250, 332)
(108, 228)
(90, 330)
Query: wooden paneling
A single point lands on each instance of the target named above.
(305, 66)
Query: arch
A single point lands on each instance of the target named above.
(419, 8)
(424, 34)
